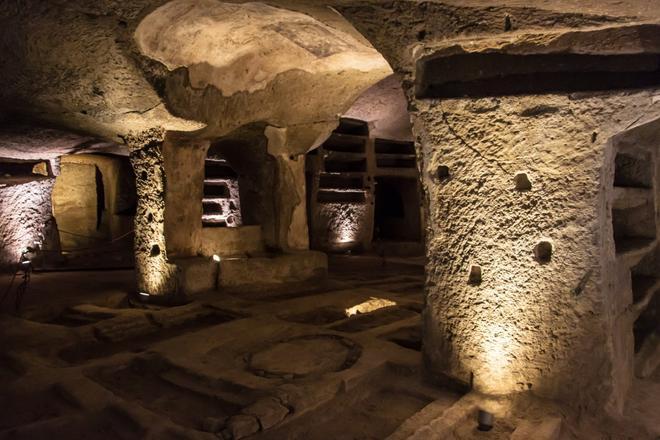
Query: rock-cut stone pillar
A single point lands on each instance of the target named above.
(155, 275)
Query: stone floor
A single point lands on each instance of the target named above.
(81, 361)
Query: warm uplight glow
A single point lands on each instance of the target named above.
(369, 306)
(216, 258)
(143, 293)
(497, 345)
(346, 234)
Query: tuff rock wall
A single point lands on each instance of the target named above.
(520, 292)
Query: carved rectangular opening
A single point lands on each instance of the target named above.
(352, 126)
(23, 169)
(218, 169)
(220, 191)
(345, 143)
(337, 166)
(397, 214)
(383, 146)
(395, 162)
(325, 196)
(633, 171)
(497, 74)
(338, 181)
(633, 207)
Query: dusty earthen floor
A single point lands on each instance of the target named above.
(82, 362)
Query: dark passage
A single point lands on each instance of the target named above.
(396, 215)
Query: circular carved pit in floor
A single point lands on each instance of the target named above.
(304, 356)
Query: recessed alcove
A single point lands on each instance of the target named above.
(633, 170)
(633, 206)
(335, 164)
(352, 126)
(543, 251)
(345, 143)
(221, 201)
(522, 182)
(482, 74)
(396, 215)
(21, 170)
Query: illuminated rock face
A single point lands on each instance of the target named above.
(519, 183)
(548, 308)
(231, 64)
(25, 216)
(530, 285)
(243, 47)
(155, 274)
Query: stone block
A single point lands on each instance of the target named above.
(231, 241)
(269, 411)
(242, 426)
(196, 274)
(282, 268)
(76, 204)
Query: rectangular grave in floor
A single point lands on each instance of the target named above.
(372, 410)
(158, 326)
(182, 397)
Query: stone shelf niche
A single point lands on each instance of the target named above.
(481, 74)
(634, 223)
(646, 312)
(220, 203)
(633, 207)
(364, 191)
(13, 171)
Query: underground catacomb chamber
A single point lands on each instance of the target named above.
(329, 258)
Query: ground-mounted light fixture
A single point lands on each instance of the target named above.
(485, 420)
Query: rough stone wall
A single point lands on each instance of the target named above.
(184, 169)
(526, 323)
(346, 224)
(25, 212)
(76, 205)
(291, 203)
(385, 107)
(155, 275)
(495, 314)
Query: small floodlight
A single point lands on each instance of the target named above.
(485, 420)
